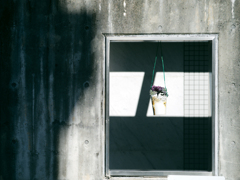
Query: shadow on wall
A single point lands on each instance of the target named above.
(46, 65)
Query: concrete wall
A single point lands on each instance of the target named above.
(52, 97)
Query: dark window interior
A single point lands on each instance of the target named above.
(162, 143)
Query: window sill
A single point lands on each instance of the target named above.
(157, 173)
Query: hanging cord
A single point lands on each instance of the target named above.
(163, 64)
(154, 66)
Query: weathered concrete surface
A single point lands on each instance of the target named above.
(52, 97)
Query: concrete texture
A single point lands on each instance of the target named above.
(52, 89)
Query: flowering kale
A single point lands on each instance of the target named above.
(158, 90)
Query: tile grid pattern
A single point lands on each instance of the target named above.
(197, 126)
(196, 82)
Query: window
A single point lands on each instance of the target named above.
(184, 140)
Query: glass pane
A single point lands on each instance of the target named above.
(178, 140)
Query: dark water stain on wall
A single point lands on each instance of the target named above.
(46, 64)
(8, 95)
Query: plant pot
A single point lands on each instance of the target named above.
(159, 104)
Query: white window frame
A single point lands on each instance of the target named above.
(164, 38)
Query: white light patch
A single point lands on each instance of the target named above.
(75, 6)
(174, 84)
(72, 153)
(124, 7)
(233, 1)
(197, 96)
(181, 177)
(124, 92)
(69, 145)
(100, 6)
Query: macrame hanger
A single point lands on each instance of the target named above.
(154, 66)
(156, 63)
(162, 64)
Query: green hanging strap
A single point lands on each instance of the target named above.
(163, 72)
(163, 66)
(155, 66)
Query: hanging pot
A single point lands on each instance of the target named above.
(159, 104)
(159, 97)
